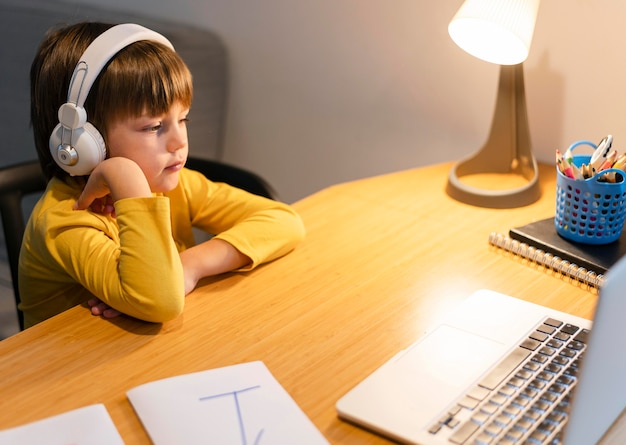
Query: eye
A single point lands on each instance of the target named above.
(154, 128)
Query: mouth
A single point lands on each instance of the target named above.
(177, 166)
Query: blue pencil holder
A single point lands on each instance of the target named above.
(590, 211)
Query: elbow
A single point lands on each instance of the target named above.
(168, 308)
(299, 233)
(298, 230)
(293, 234)
(168, 312)
(157, 308)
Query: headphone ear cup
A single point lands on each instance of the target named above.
(85, 151)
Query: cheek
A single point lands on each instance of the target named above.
(115, 146)
(124, 141)
(124, 147)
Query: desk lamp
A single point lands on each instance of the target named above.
(500, 32)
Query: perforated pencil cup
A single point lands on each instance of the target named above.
(590, 211)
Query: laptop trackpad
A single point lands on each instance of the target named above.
(435, 369)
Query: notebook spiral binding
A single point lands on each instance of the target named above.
(547, 260)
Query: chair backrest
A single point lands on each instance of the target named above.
(16, 182)
(244, 179)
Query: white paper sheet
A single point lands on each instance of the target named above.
(240, 405)
(90, 425)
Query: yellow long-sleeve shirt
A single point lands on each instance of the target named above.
(131, 261)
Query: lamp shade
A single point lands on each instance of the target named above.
(497, 31)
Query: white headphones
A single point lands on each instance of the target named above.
(75, 144)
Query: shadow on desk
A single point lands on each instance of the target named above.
(145, 328)
(135, 326)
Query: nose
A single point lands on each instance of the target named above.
(177, 138)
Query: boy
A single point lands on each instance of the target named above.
(119, 234)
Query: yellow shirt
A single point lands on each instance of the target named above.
(131, 261)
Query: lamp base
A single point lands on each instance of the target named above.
(507, 151)
(497, 199)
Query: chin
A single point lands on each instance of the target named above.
(166, 185)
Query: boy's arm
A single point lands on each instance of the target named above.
(131, 263)
(260, 229)
(112, 180)
(118, 177)
(209, 258)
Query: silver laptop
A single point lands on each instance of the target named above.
(500, 370)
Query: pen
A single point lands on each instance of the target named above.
(567, 171)
(608, 162)
(586, 170)
(620, 163)
(576, 172)
(559, 161)
(603, 158)
(569, 157)
(601, 152)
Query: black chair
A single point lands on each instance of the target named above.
(16, 182)
(238, 177)
(20, 180)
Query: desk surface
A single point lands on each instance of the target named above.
(383, 259)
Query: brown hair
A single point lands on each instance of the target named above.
(144, 76)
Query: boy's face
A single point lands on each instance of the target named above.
(158, 144)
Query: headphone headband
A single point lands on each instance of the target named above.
(75, 144)
(100, 51)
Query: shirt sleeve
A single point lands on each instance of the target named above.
(136, 269)
(262, 229)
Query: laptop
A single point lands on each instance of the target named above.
(502, 370)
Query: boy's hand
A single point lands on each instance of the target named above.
(100, 308)
(103, 206)
(113, 179)
(209, 258)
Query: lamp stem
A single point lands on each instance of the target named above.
(507, 150)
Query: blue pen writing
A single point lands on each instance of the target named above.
(236, 395)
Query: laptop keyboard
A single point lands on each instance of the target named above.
(526, 398)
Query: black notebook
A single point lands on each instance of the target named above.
(542, 235)
(539, 241)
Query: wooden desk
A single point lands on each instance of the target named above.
(383, 259)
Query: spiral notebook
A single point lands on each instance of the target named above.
(539, 242)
